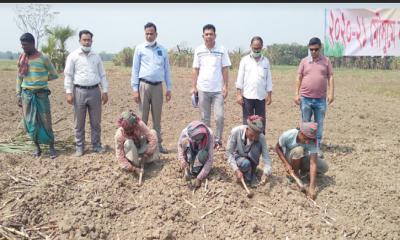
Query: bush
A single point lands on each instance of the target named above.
(124, 57)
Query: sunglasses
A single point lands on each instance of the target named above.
(314, 49)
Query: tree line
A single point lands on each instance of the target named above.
(38, 19)
(278, 54)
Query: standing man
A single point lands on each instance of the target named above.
(149, 69)
(297, 150)
(314, 87)
(86, 86)
(245, 146)
(210, 80)
(254, 82)
(34, 72)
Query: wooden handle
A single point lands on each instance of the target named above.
(244, 185)
(298, 181)
(141, 176)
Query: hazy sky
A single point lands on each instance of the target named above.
(118, 25)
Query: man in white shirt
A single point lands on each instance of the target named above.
(254, 82)
(84, 76)
(210, 80)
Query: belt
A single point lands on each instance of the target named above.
(148, 82)
(86, 87)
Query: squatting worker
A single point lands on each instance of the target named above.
(135, 143)
(195, 151)
(297, 149)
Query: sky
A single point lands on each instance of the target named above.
(119, 25)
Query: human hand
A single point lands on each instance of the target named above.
(194, 90)
(239, 174)
(225, 92)
(330, 99)
(264, 179)
(70, 98)
(312, 193)
(19, 100)
(136, 96)
(297, 99)
(268, 101)
(197, 183)
(104, 98)
(168, 96)
(239, 99)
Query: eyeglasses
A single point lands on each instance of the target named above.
(314, 49)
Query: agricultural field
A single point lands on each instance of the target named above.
(91, 198)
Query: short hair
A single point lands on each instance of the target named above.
(209, 26)
(314, 41)
(85, 32)
(257, 38)
(149, 25)
(27, 37)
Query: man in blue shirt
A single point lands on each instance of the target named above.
(297, 149)
(150, 68)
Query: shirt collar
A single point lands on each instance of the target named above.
(206, 48)
(153, 47)
(310, 59)
(82, 52)
(260, 60)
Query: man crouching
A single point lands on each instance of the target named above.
(135, 144)
(297, 149)
(246, 144)
(195, 151)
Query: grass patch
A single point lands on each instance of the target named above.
(8, 65)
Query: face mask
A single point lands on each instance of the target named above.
(150, 44)
(256, 54)
(85, 49)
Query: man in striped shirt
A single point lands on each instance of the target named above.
(34, 72)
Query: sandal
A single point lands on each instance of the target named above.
(53, 153)
(37, 153)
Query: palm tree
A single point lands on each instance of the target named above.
(60, 34)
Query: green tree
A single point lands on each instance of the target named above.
(56, 45)
(124, 57)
